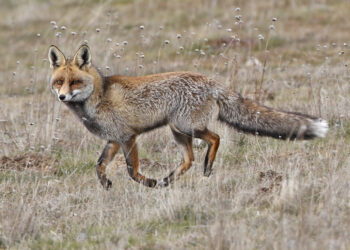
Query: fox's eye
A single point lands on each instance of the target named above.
(74, 82)
(59, 82)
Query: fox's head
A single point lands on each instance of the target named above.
(72, 80)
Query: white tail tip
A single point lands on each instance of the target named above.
(320, 128)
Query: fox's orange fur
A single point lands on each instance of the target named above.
(118, 108)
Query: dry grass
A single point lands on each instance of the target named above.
(264, 194)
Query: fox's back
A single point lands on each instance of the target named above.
(153, 100)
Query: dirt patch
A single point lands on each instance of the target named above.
(34, 161)
(271, 181)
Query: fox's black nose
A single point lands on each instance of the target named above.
(62, 97)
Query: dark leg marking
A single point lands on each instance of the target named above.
(106, 157)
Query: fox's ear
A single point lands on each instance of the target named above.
(83, 57)
(56, 57)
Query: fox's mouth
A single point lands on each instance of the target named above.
(68, 97)
(76, 95)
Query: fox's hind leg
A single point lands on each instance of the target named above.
(213, 141)
(186, 142)
(132, 162)
(106, 157)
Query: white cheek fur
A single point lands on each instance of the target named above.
(79, 95)
(68, 98)
(75, 92)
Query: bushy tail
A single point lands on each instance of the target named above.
(248, 116)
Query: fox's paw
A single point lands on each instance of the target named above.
(152, 183)
(107, 184)
(207, 172)
(162, 183)
(149, 182)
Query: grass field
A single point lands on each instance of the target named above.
(264, 193)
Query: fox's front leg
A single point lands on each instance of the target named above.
(106, 157)
(132, 162)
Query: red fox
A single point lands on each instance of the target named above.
(119, 108)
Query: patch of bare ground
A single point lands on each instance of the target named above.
(41, 162)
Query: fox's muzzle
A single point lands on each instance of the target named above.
(65, 97)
